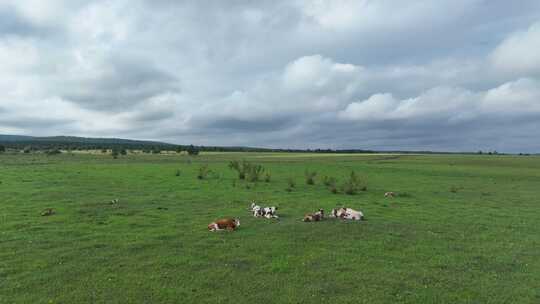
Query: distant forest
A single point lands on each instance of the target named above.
(56, 144)
(66, 143)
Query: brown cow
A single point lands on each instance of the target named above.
(314, 217)
(226, 223)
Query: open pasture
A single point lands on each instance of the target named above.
(465, 229)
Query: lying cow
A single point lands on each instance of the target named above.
(268, 212)
(389, 194)
(222, 224)
(347, 214)
(314, 217)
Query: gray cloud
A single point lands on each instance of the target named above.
(444, 75)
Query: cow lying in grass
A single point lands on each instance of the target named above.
(347, 214)
(222, 224)
(389, 194)
(267, 212)
(314, 217)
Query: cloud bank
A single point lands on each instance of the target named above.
(431, 75)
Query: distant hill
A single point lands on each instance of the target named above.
(74, 142)
(20, 142)
(75, 139)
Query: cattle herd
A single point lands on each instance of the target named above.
(231, 224)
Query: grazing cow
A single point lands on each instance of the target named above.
(314, 217)
(268, 212)
(47, 212)
(389, 194)
(347, 214)
(226, 223)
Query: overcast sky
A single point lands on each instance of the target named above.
(452, 75)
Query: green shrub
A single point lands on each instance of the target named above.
(267, 177)
(310, 177)
(115, 153)
(203, 172)
(353, 185)
(247, 170)
(240, 168)
(291, 184)
(329, 181)
(192, 150)
(254, 172)
(53, 152)
(178, 172)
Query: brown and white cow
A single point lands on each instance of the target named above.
(314, 217)
(389, 194)
(222, 224)
(347, 214)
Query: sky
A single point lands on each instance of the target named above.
(440, 75)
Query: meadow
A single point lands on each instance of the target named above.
(465, 229)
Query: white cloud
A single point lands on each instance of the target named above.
(520, 52)
(517, 97)
(438, 103)
(246, 73)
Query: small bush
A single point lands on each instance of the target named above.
(247, 170)
(454, 189)
(192, 150)
(240, 168)
(254, 172)
(333, 189)
(328, 181)
(291, 184)
(353, 185)
(310, 177)
(53, 152)
(115, 153)
(178, 172)
(267, 177)
(203, 172)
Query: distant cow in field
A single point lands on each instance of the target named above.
(268, 212)
(314, 217)
(222, 224)
(347, 214)
(389, 194)
(47, 212)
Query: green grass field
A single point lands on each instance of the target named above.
(467, 230)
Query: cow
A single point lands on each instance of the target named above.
(389, 194)
(347, 214)
(268, 212)
(222, 224)
(314, 217)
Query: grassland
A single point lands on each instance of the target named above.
(467, 230)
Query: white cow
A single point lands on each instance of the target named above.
(347, 214)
